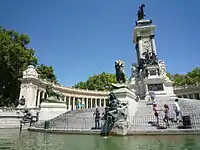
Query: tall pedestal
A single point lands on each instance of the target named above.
(150, 73)
(126, 96)
(29, 87)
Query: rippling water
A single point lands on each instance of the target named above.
(12, 140)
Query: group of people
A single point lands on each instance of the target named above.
(176, 108)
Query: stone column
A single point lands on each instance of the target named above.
(65, 99)
(100, 102)
(73, 103)
(38, 99)
(43, 95)
(95, 103)
(104, 102)
(69, 105)
(153, 43)
(91, 99)
(86, 105)
(139, 42)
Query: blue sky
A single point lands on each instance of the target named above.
(82, 38)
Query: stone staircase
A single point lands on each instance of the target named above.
(83, 119)
(145, 114)
(75, 119)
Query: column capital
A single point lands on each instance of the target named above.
(136, 46)
(139, 37)
(152, 36)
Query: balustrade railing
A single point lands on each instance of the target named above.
(139, 123)
(12, 111)
(187, 86)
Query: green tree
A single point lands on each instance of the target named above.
(15, 56)
(46, 72)
(101, 82)
(194, 75)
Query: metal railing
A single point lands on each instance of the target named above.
(136, 123)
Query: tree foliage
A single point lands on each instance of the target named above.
(101, 82)
(46, 72)
(15, 56)
(191, 77)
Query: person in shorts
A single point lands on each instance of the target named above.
(166, 117)
(177, 110)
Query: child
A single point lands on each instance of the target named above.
(166, 117)
(155, 109)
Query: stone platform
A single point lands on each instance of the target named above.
(132, 132)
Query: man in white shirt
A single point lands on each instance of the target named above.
(177, 109)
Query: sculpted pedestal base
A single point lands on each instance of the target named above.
(126, 97)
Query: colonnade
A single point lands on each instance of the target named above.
(190, 95)
(73, 101)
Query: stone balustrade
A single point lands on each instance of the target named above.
(191, 91)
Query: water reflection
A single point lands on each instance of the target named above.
(41, 141)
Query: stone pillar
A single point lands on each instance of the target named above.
(73, 103)
(153, 43)
(95, 103)
(139, 42)
(38, 99)
(91, 104)
(100, 102)
(29, 91)
(28, 87)
(69, 105)
(65, 99)
(104, 102)
(43, 95)
(86, 105)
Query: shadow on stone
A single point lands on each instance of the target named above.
(93, 128)
(154, 124)
(161, 127)
(184, 127)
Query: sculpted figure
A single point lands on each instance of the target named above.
(114, 112)
(120, 75)
(140, 13)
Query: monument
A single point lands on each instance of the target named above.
(149, 73)
(121, 106)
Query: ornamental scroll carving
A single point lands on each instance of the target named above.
(30, 72)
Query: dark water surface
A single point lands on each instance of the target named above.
(12, 140)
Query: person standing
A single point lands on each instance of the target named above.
(97, 118)
(155, 110)
(177, 110)
(166, 117)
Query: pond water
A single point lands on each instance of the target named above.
(12, 140)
